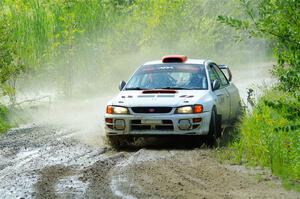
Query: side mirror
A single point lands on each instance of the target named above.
(121, 85)
(216, 85)
(227, 71)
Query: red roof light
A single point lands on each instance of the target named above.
(174, 58)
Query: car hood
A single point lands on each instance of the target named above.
(139, 98)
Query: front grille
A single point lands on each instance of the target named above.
(141, 128)
(151, 109)
(166, 125)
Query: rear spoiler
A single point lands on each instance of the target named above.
(226, 67)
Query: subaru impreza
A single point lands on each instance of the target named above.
(173, 96)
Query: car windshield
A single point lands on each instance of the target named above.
(169, 76)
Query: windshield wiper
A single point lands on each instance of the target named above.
(175, 88)
(136, 88)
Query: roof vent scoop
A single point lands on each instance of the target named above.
(174, 59)
(159, 91)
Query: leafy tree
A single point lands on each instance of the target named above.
(11, 65)
(278, 21)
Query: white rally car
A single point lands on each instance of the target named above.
(173, 96)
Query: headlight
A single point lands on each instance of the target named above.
(198, 108)
(116, 110)
(185, 110)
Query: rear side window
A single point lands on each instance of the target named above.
(213, 75)
(224, 81)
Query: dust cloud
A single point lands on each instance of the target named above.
(81, 115)
(79, 119)
(83, 120)
(256, 76)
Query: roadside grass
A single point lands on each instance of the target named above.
(269, 137)
(11, 117)
(4, 119)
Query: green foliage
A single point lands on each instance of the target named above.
(62, 41)
(269, 137)
(278, 21)
(11, 64)
(4, 121)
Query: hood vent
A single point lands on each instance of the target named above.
(159, 91)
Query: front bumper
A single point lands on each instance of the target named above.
(157, 124)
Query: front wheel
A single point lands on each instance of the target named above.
(114, 141)
(118, 141)
(211, 138)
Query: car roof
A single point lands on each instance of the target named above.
(189, 61)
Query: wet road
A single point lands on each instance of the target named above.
(46, 162)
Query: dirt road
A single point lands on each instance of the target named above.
(62, 155)
(45, 162)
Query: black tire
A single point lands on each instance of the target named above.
(119, 141)
(212, 135)
(114, 141)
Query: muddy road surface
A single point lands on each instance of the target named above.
(46, 162)
(63, 155)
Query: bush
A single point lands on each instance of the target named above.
(4, 120)
(270, 136)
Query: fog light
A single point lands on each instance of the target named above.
(108, 120)
(119, 124)
(184, 124)
(196, 120)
